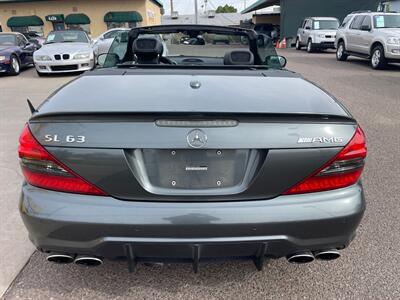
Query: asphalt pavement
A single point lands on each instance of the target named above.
(368, 269)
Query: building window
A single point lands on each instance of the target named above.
(78, 21)
(123, 19)
(111, 25)
(84, 27)
(26, 24)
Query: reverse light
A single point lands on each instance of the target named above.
(343, 170)
(42, 170)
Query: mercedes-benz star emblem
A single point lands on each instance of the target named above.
(196, 138)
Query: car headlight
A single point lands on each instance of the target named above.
(2, 57)
(321, 35)
(393, 40)
(42, 58)
(82, 56)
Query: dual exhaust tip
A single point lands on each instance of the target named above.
(91, 261)
(307, 257)
(87, 261)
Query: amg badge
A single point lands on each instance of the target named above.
(320, 139)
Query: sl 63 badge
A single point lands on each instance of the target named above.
(55, 138)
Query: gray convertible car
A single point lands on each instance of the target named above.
(214, 151)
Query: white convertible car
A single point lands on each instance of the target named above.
(65, 51)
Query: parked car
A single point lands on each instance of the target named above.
(193, 155)
(65, 51)
(221, 40)
(370, 35)
(35, 38)
(317, 33)
(16, 52)
(270, 30)
(102, 43)
(199, 41)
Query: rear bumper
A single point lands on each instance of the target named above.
(104, 226)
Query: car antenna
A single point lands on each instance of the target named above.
(31, 107)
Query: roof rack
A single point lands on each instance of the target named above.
(360, 11)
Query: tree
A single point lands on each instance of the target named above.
(226, 9)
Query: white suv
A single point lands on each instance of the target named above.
(317, 33)
(370, 35)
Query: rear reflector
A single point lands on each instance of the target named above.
(41, 169)
(343, 170)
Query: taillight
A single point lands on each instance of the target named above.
(343, 170)
(42, 170)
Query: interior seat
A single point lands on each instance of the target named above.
(148, 50)
(239, 57)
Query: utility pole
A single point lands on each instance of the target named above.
(196, 17)
(172, 6)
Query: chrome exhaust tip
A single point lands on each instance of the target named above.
(301, 258)
(88, 261)
(60, 258)
(327, 255)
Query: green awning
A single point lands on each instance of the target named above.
(55, 18)
(77, 19)
(24, 21)
(123, 16)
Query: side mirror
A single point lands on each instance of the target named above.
(108, 60)
(365, 28)
(276, 61)
(308, 27)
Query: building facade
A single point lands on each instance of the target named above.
(93, 16)
(393, 5)
(293, 12)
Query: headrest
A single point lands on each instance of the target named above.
(147, 45)
(239, 57)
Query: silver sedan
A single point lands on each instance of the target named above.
(65, 51)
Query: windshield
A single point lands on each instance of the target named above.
(387, 21)
(7, 40)
(326, 24)
(67, 37)
(196, 48)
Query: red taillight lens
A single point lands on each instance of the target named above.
(41, 169)
(344, 170)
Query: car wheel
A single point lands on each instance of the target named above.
(298, 45)
(15, 65)
(378, 60)
(341, 52)
(310, 48)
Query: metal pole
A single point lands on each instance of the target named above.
(172, 6)
(196, 12)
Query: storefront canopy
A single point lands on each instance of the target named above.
(77, 19)
(123, 16)
(22, 21)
